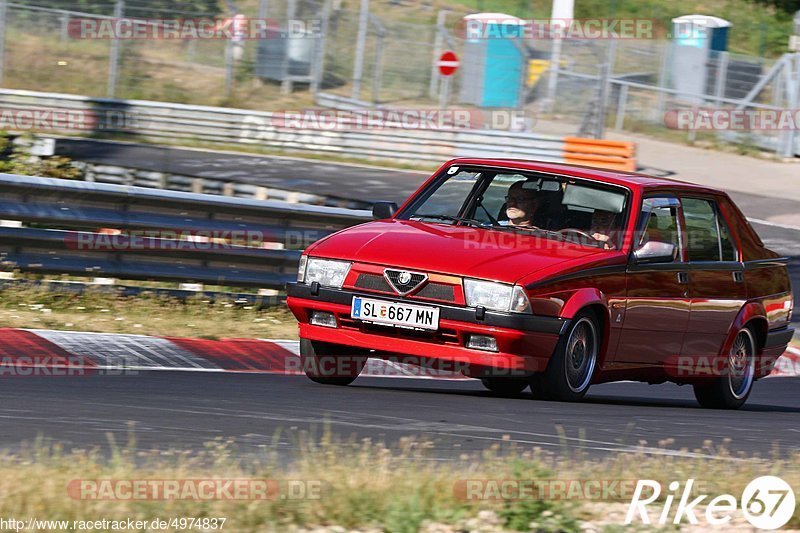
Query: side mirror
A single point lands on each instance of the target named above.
(381, 210)
(655, 252)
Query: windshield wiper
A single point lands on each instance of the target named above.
(450, 218)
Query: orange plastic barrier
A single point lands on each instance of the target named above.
(616, 155)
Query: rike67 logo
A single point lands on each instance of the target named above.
(767, 502)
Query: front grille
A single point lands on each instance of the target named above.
(372, 282)
(438, 291)
(404, 281)
(432, 291)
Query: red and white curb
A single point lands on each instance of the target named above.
(22, 348)
(50, 348)
(788, 364)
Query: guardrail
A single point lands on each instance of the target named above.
(162, 121)
(102, 230)
(104, 173)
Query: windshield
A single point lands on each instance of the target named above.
(554, 207)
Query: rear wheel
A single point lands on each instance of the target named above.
(505, 386)
(731, 390)
(331, 364)
(569, 372)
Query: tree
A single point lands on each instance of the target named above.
(787, 6)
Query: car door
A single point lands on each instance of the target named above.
(716, 286)
(657, 298)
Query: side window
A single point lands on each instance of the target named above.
(661, 223)
(708, 237)
(702, 236)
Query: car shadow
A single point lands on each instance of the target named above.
(591, 399)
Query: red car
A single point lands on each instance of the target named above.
(552, 276)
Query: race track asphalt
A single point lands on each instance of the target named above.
(184, 410)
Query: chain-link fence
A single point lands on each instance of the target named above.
(395, 58)
(90, 53)
(640, 86)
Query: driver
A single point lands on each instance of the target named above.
(602, 223)
(521, 205)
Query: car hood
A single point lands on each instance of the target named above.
(460, 250)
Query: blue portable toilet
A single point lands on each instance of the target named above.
(493, 66)
(698, 39)
(701, 31)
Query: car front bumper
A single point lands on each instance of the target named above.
(524, 342)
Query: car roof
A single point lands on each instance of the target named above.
(632, 180)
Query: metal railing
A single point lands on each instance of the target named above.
(101, 230)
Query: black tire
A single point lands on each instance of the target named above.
(572, 366)
(731, 390)
(331, 364)
(505, 386)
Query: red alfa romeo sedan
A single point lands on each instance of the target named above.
(552, 276)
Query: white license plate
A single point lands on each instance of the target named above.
(395, 313)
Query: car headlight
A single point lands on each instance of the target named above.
(327, 272)
(496, 296)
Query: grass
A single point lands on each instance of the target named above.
(364, 485)
(30, 307)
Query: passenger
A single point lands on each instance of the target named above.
(521, 205)
(602, 228)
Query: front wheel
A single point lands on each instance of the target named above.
(731, 390)
(569, 372)
(505, 386)
(331, 364)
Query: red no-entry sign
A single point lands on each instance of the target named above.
(448, 63)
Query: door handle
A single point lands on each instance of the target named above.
(683, 278)
(738, 277)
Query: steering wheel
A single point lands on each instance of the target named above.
(575, 231)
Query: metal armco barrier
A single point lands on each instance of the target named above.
(168, 122)
(165, 235)
(177, 182)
